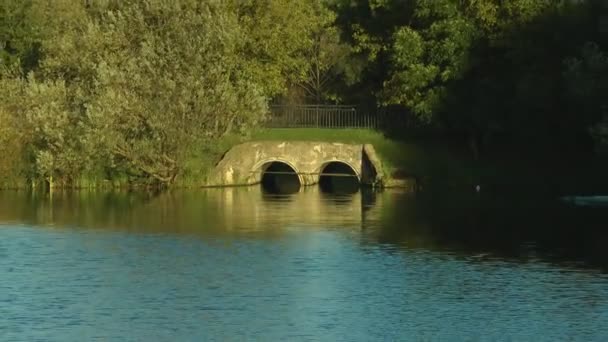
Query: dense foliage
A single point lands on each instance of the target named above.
(96, 88)
(102, 89)
(496, 72)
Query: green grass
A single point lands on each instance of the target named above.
(439, 164)
(412, 158)
(318, 134)
(428, 160)
(444, 165)
(389, 151)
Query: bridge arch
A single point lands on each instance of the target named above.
(340, 165)
(245, 164)
(337, 176)
(278, 176)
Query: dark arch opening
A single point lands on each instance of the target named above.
(338, 178)
(280, 178)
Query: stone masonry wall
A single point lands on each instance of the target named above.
(244, 164)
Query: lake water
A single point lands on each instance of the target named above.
(237, 264)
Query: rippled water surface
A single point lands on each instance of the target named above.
(236, 264)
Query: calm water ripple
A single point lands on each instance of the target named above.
(238, 265)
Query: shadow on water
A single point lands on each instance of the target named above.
(518, 228)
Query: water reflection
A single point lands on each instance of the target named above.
(238, 263)
(212, 211)
(475, 226)
(516, 228)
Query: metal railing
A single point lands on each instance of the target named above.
(319, 116)
(387, 119)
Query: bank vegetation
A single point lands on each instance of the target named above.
(151, 92)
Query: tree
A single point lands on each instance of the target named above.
(18, 39)
(327, 56)
(156, 80)
(368, 27)
(481, 68)
(142, 85)
(11, 139)
(278, 37)
(587, 84)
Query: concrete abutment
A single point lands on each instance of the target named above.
(246, 164)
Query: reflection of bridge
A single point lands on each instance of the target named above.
(207, 213)
(249, 208)
(308, 162)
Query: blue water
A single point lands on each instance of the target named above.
(324, 278)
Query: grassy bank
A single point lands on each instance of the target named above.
(390, 151)
(419, 159)
(446, 166)
(440, 165)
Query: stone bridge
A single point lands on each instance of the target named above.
(246, 164)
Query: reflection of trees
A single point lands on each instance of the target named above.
(80, 208)
(211, 212)
(517, 229)
(513, 228)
